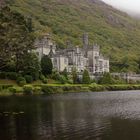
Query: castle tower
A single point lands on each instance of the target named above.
(85, 40)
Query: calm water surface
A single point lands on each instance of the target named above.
(84, 116)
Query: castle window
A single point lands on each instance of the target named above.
(65, 60)
(55, 61)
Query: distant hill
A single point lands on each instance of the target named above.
(116, 32)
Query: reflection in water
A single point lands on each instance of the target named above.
(92, 116)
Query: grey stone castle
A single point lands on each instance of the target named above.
(86, 57)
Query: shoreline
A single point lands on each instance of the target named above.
(49, 89)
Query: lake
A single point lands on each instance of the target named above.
(75, 116)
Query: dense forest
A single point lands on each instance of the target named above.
(116, 32)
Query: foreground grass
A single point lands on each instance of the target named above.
(47, 89)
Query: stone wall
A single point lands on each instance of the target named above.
(128, 76)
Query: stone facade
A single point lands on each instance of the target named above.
(43, 46)
(86, 57)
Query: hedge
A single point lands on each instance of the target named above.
(9, 75)
(15, 90)
(21, 81)
(5, 86)
(28, 89)
(51, 89)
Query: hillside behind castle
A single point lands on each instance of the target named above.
(116, 32)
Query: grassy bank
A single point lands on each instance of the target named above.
(47, 89)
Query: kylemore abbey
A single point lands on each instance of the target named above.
(85, 57)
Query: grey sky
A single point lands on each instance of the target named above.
(126, 5)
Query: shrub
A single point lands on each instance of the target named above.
(85, 89)
(62, 79)
(21, 81)
(132, 82)
(51, 89)
(67, 88)
(118, 80)
(96, 87)
(5, 86)
(2, 75)
(136, 87)
(28, 78)
(72, 88)
(45, 81)
(28, 89)
(0, 88)
(11, 75)
(15, 90)
(77, 88)
(48, 90)
(122, 87)
(65, 73)
(93, 81)
(37, 90)
(86, 77)
(42, 77)
(12, 90)
(35, 76)
(74, 76)
(106, 79)
(56, 76)
(70, 81)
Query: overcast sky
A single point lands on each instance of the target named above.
(126, 5)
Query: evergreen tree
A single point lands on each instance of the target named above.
(46, 65)
(106, 79)
(65, 73)
(74, 76)
(86, 77)
(31, 65)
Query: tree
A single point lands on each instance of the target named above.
(74, 76)
(46, 65)
(86, 77)
(106, 79)
(31, 65)
(16, 38)
(65, 73)
(29, 24)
